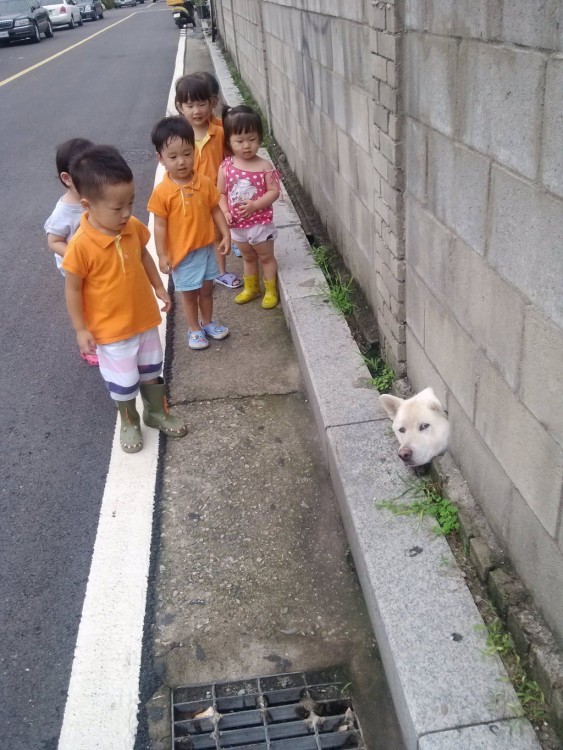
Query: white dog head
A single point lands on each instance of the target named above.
(420, 425)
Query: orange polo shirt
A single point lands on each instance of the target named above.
(187, 210)
(208, 159)
(118, 297)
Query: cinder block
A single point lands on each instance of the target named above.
(387, 45)
(379, 67)
(457, 189)
(527, 253)
(501, 108)
(415, 15)
(437, 681)
(538, 561)
(530, 23)
(488, 308)
(428, 247)
(542, 372)
(452, 352)
(528, 454)
(462, 19)
(416, 152)
(515, 734)
(431, 78)
(421, 371)
(552, 157)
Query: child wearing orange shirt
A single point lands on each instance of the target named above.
(186, 215)
(109, 283)
(194, 101)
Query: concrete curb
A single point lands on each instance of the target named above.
(446, 691)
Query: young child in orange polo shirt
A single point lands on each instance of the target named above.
(186, 214)
(195, 102)
(109, 283)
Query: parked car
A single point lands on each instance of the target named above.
(91, 9)
(23, 19)
(124, 3)
(64, 13)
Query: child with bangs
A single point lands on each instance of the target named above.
(249, 186)
(195, 102)
(187, 218)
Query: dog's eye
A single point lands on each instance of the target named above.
(424, 426)
(402, 429)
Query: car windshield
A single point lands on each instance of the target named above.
(7, 7)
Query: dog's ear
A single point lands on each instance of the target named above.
(391, 404)
(431, 400)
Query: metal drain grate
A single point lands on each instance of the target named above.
(296, 711)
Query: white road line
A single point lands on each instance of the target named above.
(103, 694)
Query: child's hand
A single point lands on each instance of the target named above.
(163, 296)
(247, 209)
(86, 342)
(224, 246)
(228, 217)
(164, 265)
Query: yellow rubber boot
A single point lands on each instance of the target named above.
(251, 290)
(271, 297)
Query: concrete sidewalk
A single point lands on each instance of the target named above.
(252, 575)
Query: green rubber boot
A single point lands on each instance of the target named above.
(156, 414)
(251, 290)
(271, 298)
(130, 435)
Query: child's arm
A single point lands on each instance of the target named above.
(160, 232)
(154, 277)
(74, 305)
(223, 202)
(220, 221)
(57, 244)
(248, 208)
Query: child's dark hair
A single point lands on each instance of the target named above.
(212, 82)
(68, 151)
(169, 128)
(97, 167)
(192, 88)
(241, 119)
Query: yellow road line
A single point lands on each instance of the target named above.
(64, 51)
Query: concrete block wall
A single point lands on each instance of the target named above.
(429, 135)
(328, 79)
(483, 123)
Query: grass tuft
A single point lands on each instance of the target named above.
(426, 500)
(383, 376)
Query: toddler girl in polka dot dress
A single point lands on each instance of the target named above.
(249, 185)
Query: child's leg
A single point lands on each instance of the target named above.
(190, 302)
(224, 277)
(119, 369)
(265, 253)
(206, 303)
(249, 259)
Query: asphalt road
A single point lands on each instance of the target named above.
(57, 421)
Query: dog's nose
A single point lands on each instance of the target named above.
(405, 454)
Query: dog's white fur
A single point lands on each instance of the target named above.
(420, 425)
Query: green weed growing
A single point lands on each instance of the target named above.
(425, 500)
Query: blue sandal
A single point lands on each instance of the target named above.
(215, 331)
(230, 280)
(197, 340)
